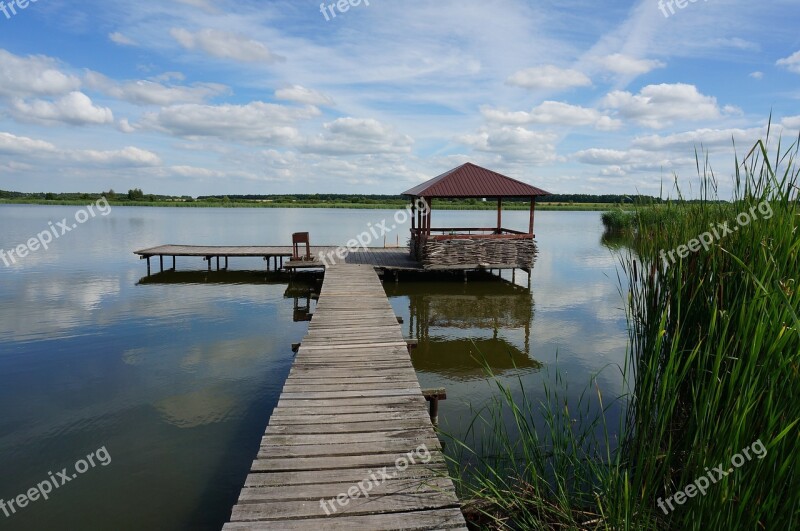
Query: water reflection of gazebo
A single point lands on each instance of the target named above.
(472, 247)
(458, 314)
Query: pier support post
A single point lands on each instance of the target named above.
(208, 259)
(148, 266)
(433, 396)
(173, 264)
(161, 262)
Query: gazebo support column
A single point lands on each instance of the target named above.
(415, 241)
(429, 202)
(499, 215)
(533, 211)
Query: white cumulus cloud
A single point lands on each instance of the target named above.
(225, 45)
(300, 94)
(658, 106)
(627, 65)
(76, 108)
(35, 75)
(255, 122)
(32, 149)
(121, 39)
(554, 113)
(549, 77)
(791, 63)
(514, 144)
(351, 136)
(146, 92)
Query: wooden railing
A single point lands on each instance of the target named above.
(444, 233)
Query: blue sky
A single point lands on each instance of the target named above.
(235, 97)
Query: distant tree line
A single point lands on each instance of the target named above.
(136, 194)
(369, 199)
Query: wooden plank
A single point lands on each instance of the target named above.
(350, 448)
(409, 521)
(329, 490)
(284, 510)
(410, 401)
(280, 464)
(353, 394)
(345, 438)
(280, 419)
(311, 381)
(352, 427)
(350, 345)
(349, 475)
(296, 386)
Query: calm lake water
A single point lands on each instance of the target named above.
(176, 380)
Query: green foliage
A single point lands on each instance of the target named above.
(716, 347)
(714, 367)
(135, 195)
(619, 220)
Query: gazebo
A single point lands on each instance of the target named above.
(472, 247)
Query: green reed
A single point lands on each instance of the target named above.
(714, 365)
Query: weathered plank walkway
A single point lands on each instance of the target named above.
(350, 407)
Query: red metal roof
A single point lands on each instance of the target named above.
(470, 180)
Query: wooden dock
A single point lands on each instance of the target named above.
(393, 258)
(350, 444)
(390, 259)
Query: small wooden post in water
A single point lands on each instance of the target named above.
(433, 396)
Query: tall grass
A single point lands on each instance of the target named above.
(628, 222)
(715, 363)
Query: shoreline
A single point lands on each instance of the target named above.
(576, 207)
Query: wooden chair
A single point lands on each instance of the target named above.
(299, 238)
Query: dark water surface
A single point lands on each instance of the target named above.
(176, 379)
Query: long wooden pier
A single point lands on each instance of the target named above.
(350, 444)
